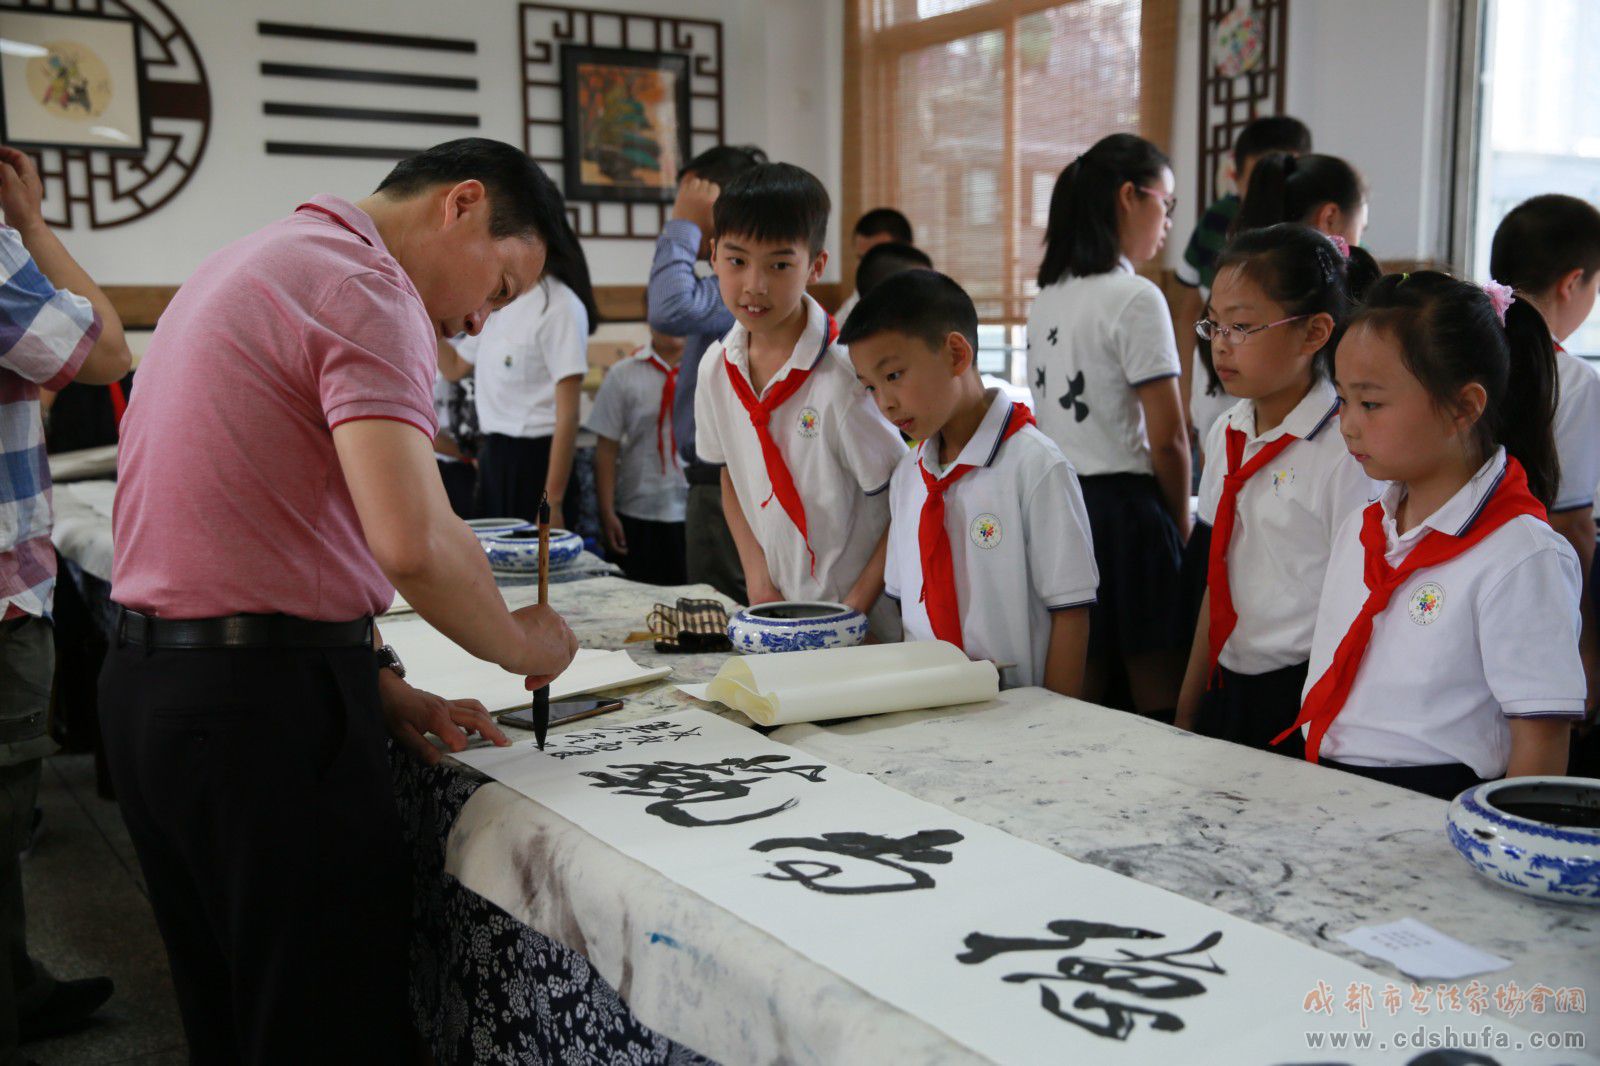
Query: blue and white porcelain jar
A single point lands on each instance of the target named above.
(1536, 835)
(516, 551)
(796, 626)
(493, 527)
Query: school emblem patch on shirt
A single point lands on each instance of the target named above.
(1426, 603)
(986, 531)
(1282, 481)
(809, 421)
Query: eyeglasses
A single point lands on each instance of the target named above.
(1209, 330)
(1170, 203)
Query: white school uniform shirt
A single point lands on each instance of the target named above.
(1091, 342)
(1020, 544)
(1577, 431)
(1284, 524)
(536, 340)
(626, 410)
(1206, 410)
(1463, 647)
(838, 448)
(845, 308)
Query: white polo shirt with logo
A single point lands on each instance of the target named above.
(524, 348)
(1284, 524)
(839, 450)
(1463, 647)
(1020, 544)
(1091, 342)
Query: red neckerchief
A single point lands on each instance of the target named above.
(1223, 617)
(760, 411)
(669, 392)
(933, 540)
(1510, 499)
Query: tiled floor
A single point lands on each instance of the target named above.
(88, 914)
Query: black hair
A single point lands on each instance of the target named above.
(1304, 272)
(724, 162)
(1081, 237)
(1544, 239)
(881, 220)
(1271, 133)
(565, 261)
(1450, 336)
(1289, 188)
(774, 202)
(917, 303)
(883, 261)
(523, 201)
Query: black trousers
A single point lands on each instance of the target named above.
(255, 786)
(656, 551)
(1252, 709)
(511, 477)
(461, 485)
(1444, 781)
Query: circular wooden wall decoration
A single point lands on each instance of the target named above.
(106, 190)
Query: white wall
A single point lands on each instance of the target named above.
(782, 88)
(1370, 79)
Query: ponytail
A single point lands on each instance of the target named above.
(1287, 188)
(565, 261)
(1081, 237)
(1361, 272)
(1527, 417)
(1450, 335)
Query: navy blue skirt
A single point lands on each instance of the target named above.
(1139, 553)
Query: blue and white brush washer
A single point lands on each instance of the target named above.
(490, 527)
(796, 625)
(516, 551)
(1535, 835)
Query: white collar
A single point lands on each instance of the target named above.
(1457, 514)
(1309, 417)
(984, 446)
(808, 351)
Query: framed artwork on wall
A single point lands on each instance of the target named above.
(625, 123)
(71, 80)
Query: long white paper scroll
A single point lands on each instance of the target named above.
(829, 683)
(1018, 952)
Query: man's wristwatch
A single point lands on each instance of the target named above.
(388, 659)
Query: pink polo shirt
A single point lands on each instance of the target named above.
(230, 498)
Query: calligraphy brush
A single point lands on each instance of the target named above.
(541, 696)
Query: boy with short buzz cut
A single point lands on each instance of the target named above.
(1548, 250)
(989, 543)
(805, 455)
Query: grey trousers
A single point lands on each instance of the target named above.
(713, 557)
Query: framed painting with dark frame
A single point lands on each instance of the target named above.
(625, 124)
(72, 80)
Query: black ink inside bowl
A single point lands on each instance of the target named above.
(796, 612)
(1574, 806)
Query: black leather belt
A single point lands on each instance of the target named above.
(241, 631)
(698, 473)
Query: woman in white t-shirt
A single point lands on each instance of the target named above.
(1104, 373)
(529, 362)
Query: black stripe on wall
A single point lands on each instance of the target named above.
(379, 77)
(392, 40)
(338, 151)
(370, 114)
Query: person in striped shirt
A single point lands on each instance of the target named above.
(56, 326)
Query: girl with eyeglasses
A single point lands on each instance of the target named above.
(1103, 366)
(1279, 480)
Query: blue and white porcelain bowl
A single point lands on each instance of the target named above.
(516, 551)
(794, 625)
(1536, 835)
(491, 527)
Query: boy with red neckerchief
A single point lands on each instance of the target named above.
(989, 542)
(805, 455)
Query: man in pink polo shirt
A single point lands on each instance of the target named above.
(276, 484)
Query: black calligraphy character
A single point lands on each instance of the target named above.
(680, 784)
(1038, 379)
(1119, 1017)
(1073, 400)
(1051, 336)
(981, 947)
(922, 848)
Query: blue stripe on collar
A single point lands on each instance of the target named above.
(1482, 502)
(1326, 418)
(1000, 437)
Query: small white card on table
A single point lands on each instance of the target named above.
(1421, 951)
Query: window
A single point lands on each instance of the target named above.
(961, 113)
(1540, 118)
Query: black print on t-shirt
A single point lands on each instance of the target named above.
(924, 848)
(1073, 400)
(1101, 1015)
(678, 785)
(1038, 379)
(1051, 336)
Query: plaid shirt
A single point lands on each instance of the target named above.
(1199, 264)
(45, 335)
